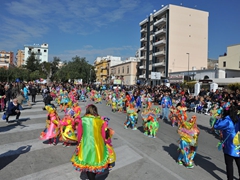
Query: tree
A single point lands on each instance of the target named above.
(32, 64)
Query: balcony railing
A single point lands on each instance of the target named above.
(160, 21)
(142, 67)
(143, 57)
(160, 31)
(142, 76)
(143, 39)
(163, 41)
(143, 48)
(159, 64)
(159, 53)
(143, 30)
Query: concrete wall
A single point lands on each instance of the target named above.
(232, 58)
(188, 33)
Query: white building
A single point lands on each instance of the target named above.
(40, 51)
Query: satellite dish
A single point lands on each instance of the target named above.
(154, 10)
(162, 5)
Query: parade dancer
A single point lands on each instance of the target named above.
(132, 116)
(51, 131)
(188, 142)
(91, 155)
(108, 140)
(67, 128)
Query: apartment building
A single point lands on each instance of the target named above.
(174, 38)
(40, 52)
(20, 58)
(6, 59)
(101, 71)
(231, 59)
(102, 65)
(126, 71)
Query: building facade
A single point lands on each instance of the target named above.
(20, 58)
(174, 38)
(231, 59)
(40, 52)
(6, 59)
(126, 71)
(101, 67)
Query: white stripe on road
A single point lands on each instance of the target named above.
(125, 156)
(20, 128)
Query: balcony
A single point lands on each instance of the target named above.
(142, 57)
(143, 48)
(160, 31)
(160, 21)
(143, 30)
(142, 67)
(159, 53)
(159, 64)
(143, 39)
(163, 41)
(142, 76)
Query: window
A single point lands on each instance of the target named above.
(239, 64)
(128, 68)
(45, 50)
(224, 63)
(122, 69)
(119, 70)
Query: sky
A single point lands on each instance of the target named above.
(99, 28)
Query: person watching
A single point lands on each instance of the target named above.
(13, 109)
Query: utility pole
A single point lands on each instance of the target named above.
(188, 65)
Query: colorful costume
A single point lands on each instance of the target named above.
(67, 127)
(108, 140)
(132, 117)
(51, 131)
(188, 142)
(92, 153)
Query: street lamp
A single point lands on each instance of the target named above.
(188, 65)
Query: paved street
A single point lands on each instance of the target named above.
(24, 157)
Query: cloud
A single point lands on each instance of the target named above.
(91, 53)
(26, 20)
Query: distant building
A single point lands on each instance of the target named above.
(231, 59)
(101, 67)
(20, 58)
(212, 64)
(126, 71)
(6, 59)
(174, 38)
(40, 52)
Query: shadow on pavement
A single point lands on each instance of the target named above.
(6, 158)
(203, 162)
(103, 176)
(12, 124)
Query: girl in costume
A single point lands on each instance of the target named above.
(114, 103)
(173, 115)
(91, 155)
(188, 141)
(67, 128)
(51, 131)
(108, 140)
(132, 116)
(152, 124)
(120, 104)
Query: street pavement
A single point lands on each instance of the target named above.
(23, 156)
